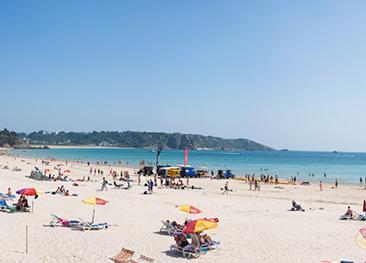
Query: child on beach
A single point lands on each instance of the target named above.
(321, 186)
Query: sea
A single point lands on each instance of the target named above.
(346, 167)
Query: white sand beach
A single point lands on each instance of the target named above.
(253, 227)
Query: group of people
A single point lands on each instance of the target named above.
(62, 191)
(254, 185)
(197, 241)
(96, 171)
(22, 204)
(268, 179)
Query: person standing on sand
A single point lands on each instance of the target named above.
(226, 188)
(104, 184)
(336, 183)
(361, 180)
(321, 186)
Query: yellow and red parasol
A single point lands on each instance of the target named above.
(199, 225)
(94, 201)
(189, 209)
(361, 237)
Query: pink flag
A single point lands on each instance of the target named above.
(186, 156)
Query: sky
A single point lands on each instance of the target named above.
(288, 74)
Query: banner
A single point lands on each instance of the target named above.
(186, 156)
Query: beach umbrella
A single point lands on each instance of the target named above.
(94, 201)
(361, 237)
(28, 192)
(199, 225)
(189, 209)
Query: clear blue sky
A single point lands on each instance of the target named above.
(289, 74)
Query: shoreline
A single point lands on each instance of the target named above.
(116, 165)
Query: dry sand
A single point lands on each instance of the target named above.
(253, 227)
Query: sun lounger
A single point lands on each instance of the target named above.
(168, 228)
(4, 207)
(124, 256)
(58, 221)
(189, 251)
(90, 226)
(354, 217)
(142, 259)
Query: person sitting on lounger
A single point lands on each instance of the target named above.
(349, 212)
(296, 207)
(20, 203)
(25, 202)
(181, 241)
(176, 225)
(205, 240)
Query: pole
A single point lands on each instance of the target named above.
(32, 206)
(26, 239)
(93, 214)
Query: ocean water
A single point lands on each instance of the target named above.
(346, 167)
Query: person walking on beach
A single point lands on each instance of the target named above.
(361, 180)
(321, 186)
(161, 181)
(104, 184)
(128, 179)
(250, 184)
(226, 188)
(155, 180)
(336, 183)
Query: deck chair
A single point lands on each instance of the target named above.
(188, 251)
(124, 256)
(58, 221)
(142, 259)
(4, 207)
(85, 226)
(168, 228)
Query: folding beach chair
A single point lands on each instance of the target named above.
(124, 256)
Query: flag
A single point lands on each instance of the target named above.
(186, 156)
